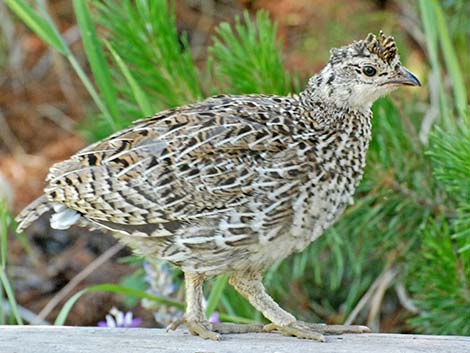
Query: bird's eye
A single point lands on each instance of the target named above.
(369, 71)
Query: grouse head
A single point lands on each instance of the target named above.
(359, 73)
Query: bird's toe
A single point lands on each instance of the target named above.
(197, 328)
(297, 329)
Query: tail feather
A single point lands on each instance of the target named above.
(32, 212)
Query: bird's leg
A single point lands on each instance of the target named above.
(194, 317)
(252, 288)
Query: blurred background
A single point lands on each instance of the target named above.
(398, 260)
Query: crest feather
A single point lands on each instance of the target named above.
(383, 46)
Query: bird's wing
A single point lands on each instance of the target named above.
(32, 212)
(178, 166)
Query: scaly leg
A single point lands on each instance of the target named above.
(194, 317)
(252, 288)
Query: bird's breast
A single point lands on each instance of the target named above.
(332, 180)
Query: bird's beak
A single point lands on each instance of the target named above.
(404, 77)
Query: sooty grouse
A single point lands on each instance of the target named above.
(233, 183)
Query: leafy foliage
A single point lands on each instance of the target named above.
(442, 288)
(450, 152)
(6, 289)
(246, 58)
(144, 35)
(439, 274)
(441, 285)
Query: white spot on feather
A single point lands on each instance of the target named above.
(64, 217)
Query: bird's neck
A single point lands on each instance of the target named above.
(328, 90)
(343, 131)
(322, 111)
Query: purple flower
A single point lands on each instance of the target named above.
(117, 318)
(214, 317)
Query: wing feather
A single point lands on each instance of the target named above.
(180, 165)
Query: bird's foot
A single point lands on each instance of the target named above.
(298, 329)
(314, 331)
(209, 330)
(196, 328)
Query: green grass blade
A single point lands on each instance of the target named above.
(46, 30)
(60, 320)
(216, 293)
(4, 234)
(428, 18)
(226, 302)
(37, 24)
(2, 307)
(233, 318)
(89, 86)
(42, 11)
(64, 312)
(3, 254)
(96, 58)
(4, 282)
(139, 94)
(144, 34)
(10, 295)
(246, 58)
(116, 288)
(450, 57)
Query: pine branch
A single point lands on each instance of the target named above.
(437, 207)
(144, 35)
(442, 286)
(247, 58)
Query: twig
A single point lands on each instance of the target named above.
(405, 299)
(90, 268)
(388, 180)
(26, 314)
(66, 84)
(70, 36)
(6, 191)
(437, 207)
(15, 49)
(57, 116)
(409, 20)
(9, 137)
(413, 194)
(406, 120)
(7, 29)
(410, 23)
(433, 111)
(373, 319)
(365, 298)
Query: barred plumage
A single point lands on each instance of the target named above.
(233, 183)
